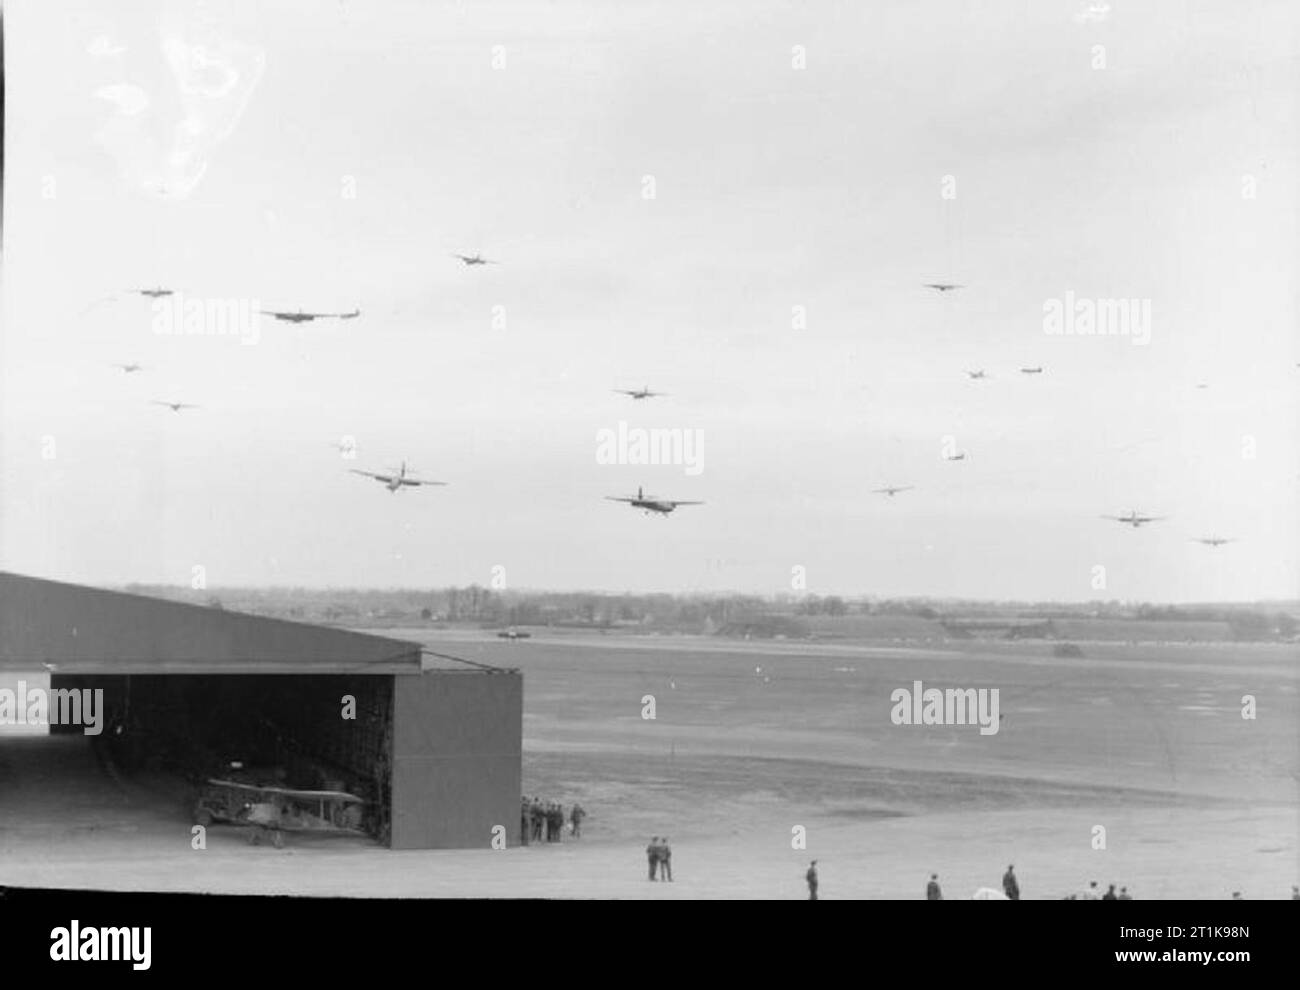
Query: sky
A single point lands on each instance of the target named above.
(737, 204)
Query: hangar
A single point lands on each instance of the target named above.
(434, 745)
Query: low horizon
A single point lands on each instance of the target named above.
(780, 596)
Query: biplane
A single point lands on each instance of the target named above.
(270, 812)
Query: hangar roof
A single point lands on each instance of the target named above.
(70, 628)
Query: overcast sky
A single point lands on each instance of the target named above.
(325, 155)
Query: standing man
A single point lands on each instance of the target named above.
(535, 813)
(811, 877)
(524, 826)
(665, 860)
(932, 891)
(652, 854)
(576, 816)
(1009, 885)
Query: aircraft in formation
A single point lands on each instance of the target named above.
(396, 481)
(1134, 519)
(399, 479)
(637, 393)
(301, 317)
(650, 503)
(475, 259)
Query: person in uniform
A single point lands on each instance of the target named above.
(535, 813)
(1009, 885)
(524, 825)
(652, 855)
(811, 877)
(1124, 895)
(576, 815)
(932, 891)
(1110, 894)
(665, 860)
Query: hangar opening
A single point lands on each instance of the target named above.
(432, 750)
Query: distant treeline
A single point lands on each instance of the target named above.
(790, 616)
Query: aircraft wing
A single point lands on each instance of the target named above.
(371, 474)
(289, 791)
(419, 481)
(675, 502)
(615, 498)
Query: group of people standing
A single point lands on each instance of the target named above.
(660, 856)
(1011, 887)
(540, 820)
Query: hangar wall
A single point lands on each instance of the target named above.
(457, 758)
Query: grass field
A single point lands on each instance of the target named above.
(751, 739)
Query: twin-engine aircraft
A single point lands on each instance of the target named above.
(397, 481)
(1134, 519)
(650, 503)
(300, 317)
(637, 393)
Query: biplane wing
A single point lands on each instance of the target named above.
(292, 792)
